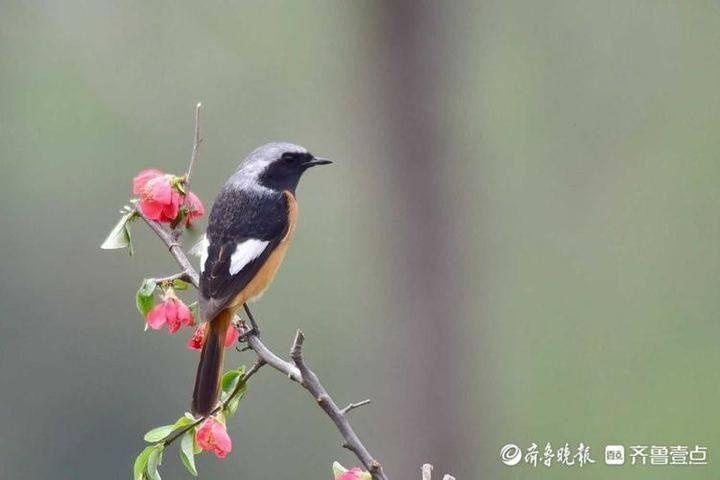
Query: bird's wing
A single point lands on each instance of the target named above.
(243, 230)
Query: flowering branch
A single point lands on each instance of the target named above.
(224, 405)
(174, 248)
(166, 198)
(193, 157)
(299, 372)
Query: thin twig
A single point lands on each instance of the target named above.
(245, 378)
(254, 369)
(352, 406)
(184, 276)
(174, 248)
(196, 145)
(177, 231)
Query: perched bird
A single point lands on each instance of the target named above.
(250, 227)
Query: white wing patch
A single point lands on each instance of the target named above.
(245, 253)
(200, 249)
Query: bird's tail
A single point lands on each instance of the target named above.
(207, 378)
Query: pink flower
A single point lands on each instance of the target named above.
(195, 208)
(160, 198)
(196, 341)
(212, 435)
(142, 178)
(231, 336)
(171, 311)
(355, 473)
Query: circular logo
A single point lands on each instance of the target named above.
(510, 454)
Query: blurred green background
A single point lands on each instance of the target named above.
(517, 243)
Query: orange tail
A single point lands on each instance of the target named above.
(207, 378)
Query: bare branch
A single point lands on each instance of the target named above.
(352, 406)
(196, 145)
(177, 231)
(312, 384)
(178, 276)
(254, 369)
(174, 247)
(273, 360)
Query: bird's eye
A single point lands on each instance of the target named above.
(289, 158)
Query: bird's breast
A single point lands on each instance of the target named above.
(262, 279)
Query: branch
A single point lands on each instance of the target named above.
(273, 360)
(353, 406)
(174, 248)
(312, 384)
(427, 473)
(196, 145)
(177, 276)
(299, 372)
(177, 231)
(253, 370)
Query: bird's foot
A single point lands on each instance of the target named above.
(247, 331)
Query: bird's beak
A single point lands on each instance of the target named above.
(317, 161)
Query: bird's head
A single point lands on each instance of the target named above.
(278, 166)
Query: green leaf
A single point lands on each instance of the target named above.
(130, 248)
(180, 284)
(230, 382)
(231, 377)
(144, 300)
(141, 462)
(183, 422)
(233, 405)
(187, 451)
(154, 460)
(119, 236)
(179, 183)
(158, 434)
(338, 469)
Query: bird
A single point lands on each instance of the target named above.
(250, 227)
